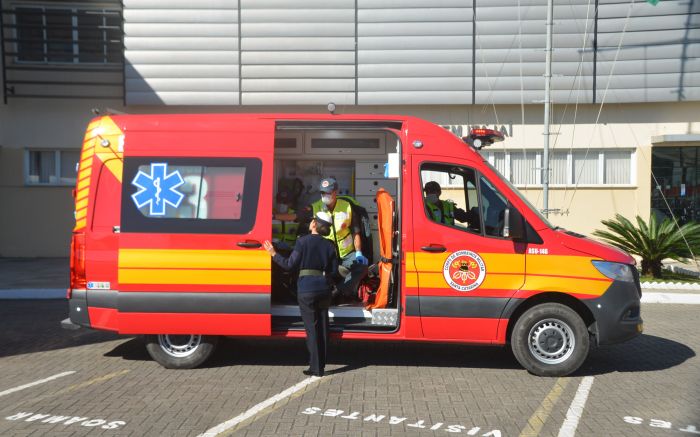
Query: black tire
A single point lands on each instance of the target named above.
(180, 351)
(550, 339)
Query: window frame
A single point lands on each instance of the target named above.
(490, 156)
(60, 182)
(433, 166)
(75, 11)
(133, 221)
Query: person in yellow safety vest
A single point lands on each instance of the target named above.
(444, 211)
(345, 234)
(284, 231)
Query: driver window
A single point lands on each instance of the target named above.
(493, 207)
(450, 196)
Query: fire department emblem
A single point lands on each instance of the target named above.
(464, 270)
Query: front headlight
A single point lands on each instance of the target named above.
(615, 271)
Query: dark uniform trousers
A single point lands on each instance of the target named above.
(314, 312)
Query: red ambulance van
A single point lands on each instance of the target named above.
(171, 212)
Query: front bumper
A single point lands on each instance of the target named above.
(617, 313)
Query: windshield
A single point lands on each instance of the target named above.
(520, 195)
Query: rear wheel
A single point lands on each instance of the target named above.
(550, 339)
(181, 351)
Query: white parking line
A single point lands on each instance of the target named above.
(682, 298)
(32, 384)
(568, 428)
(222, 427)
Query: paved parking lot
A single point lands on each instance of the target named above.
(56, 382)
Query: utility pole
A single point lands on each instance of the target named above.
(547, 104)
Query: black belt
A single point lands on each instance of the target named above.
(310, 272)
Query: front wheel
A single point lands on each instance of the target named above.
(550, 339)
(180, 351)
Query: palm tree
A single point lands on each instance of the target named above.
(653, 242)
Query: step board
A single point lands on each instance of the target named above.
(380, 317)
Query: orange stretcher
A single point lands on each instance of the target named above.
(385, 209)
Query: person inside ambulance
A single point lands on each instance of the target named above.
(284, 225)
(345, 235)
(445, 211)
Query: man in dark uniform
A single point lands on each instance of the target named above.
(316, 259)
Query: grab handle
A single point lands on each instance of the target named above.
(249, 244)
(434, 248)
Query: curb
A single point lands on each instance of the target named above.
(674, 298)
(33, 293)
(670, 286)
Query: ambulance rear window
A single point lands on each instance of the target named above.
(183, 195)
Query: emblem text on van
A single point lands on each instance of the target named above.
(157, 189)
(464, 270)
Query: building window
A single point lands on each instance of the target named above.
(51, 167)
(567, 168)
(68, 35)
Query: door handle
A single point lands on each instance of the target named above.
(249, 244)
(434, 248)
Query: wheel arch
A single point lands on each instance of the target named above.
(551, 297)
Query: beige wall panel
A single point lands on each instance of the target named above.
(34, 221)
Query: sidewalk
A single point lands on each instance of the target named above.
(34, 278)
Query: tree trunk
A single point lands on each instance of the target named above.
(652, 266)
(646, 266)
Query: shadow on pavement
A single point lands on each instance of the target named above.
(349, 355)
(645, 353)
(642, 354)
(30, 326)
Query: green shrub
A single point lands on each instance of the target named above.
(652, 242)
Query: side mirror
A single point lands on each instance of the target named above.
(514, 224)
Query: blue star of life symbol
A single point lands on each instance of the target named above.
(157, 189)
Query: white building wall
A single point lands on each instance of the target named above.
(36, 221)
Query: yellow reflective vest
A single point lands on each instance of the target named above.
(443, 213)
(341, 231)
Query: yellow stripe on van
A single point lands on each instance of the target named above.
(85, 172)
(193, 259)
(115, 166)
(82, 194)
(562, 265)
(565, 285)
(79, 224)
(81, 213)
(83, 184)
(80, 204)
(111, 157)
(492, 281)
(411, 279)
(204, 277)
(495, 262)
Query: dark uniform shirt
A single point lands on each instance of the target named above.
(311, 252)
